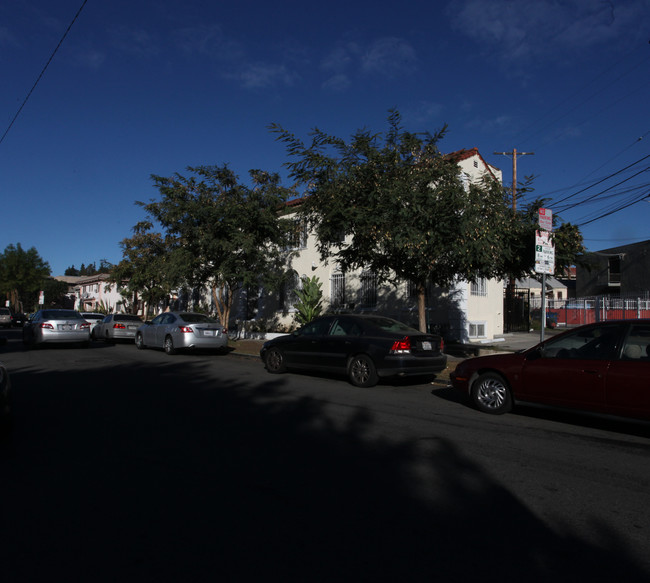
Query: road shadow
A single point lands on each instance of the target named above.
(162, 473)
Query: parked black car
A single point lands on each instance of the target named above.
(18, 319)
(363, 347)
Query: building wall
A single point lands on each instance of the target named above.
(459, 313)
(94, 292)
(634, 276)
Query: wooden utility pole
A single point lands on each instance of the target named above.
(512, 284)
(514, 155)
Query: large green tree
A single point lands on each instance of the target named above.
(22, 274)
(394, 204)
(144, 275)
(222, 232)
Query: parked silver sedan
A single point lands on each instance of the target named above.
(173, 331)
(56, 326)
(117, 327)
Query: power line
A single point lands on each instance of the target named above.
(42, 72)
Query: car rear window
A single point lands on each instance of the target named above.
(390, 325)
(5, 312)
(61, 315)
(197, 319)
(126, 318)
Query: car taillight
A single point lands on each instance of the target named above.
(402, 346)
(46, 325)
(84, 325)
(119, 326)
(185, 329)
(442, 344)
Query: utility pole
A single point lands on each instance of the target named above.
(512, 284)
(514, 155)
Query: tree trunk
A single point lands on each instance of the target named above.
(223, 302)
(422, 307)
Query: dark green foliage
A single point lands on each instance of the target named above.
(402, 206)
(22, 275)
(310, 298)
(219, 232)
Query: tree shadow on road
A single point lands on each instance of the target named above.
(143, 473)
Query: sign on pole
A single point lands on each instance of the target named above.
(544, 253)
(545, 219)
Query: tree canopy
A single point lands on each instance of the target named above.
(142, 274)
(22, 275)
(394, 204)
(221, 232)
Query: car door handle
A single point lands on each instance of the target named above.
(593, 372)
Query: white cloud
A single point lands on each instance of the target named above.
(389, 57)
(265, 75)
(528, 30)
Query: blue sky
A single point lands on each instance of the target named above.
(151, 87)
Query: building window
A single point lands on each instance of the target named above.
(477, 329)
(614, 271)
(479, 287)
(288, 296)
(337, 292)
(368, 290)
(298, 236)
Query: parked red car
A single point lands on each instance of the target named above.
(602, 368)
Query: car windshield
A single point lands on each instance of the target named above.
(197, 319)
(390, 325)
(61, 315)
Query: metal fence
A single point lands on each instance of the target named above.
(578, 311)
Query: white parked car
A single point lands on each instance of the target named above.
(93, 318)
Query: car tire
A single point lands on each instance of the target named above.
(274, 361)
(168, 345)
(491, 394)
(139, 341)
(362, 371)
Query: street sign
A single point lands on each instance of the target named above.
(546, 219)
(544, 253)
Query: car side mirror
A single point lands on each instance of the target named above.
(534, 354)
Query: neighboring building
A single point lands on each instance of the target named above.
(464, 312)
(555, 289)
(619, 271)
(94, 292)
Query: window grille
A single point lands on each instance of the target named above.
(479, 287)
(288, 296)
(298, 236)
(337, 295)
(368, 290)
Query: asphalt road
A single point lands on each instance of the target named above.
(129, 465)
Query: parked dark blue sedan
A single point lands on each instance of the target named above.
(365, 348)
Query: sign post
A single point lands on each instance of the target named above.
(544, 256)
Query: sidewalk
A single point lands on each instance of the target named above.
(510, 342)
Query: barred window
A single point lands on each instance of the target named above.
(288, 296)
(368, 290)
(337, 294)
(479, 287)
(298, 237)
